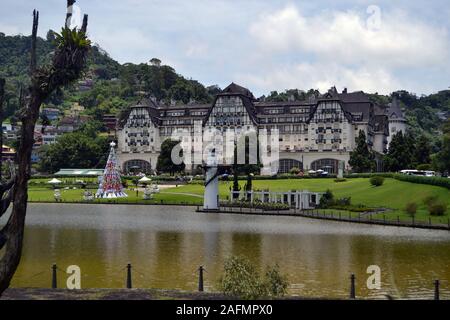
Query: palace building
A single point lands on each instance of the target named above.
(313, 134)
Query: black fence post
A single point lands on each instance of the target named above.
(129, 285)
(352, 287)
(436, 289)
(398, 220)
(54, 281)
(200, 278)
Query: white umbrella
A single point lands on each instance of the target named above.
(144, 179)
(54, 181)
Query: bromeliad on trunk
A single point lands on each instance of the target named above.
(68, 63)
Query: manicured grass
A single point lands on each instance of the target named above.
(39, 194)
(393, 194)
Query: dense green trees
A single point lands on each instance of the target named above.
(422, 151)
(400, 153)
(75, 150)
(441, 160)
(114, 86)
(362, 159)
(165, 163)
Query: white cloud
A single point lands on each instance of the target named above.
(320, 76)
(344, 37)
(9, 29)
(196, 49)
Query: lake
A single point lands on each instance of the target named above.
(167, 244)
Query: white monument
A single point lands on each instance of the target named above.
(341, 166)
(211, 195)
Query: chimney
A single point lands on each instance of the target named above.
(344, 91)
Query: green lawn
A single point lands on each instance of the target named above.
(46, 194)
(393, 194)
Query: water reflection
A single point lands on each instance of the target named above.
(167, 244)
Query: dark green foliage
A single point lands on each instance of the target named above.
(422, 113)
(422, 150)
(249, 183)
(400, 153)
(411, 208)
(377, 181)
(236, 186)
(361, 158)
(242, 280)
(441, 161)
(165, 163)
(75, 150)
(115, 86)
(258, 204)
(437, 208)
(429, 200)
(327, 199)
(294, 170)
(434, 181)
(343, 201)
(424, 167)
(91, 128)
(276, 283)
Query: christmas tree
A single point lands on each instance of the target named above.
(111, 184)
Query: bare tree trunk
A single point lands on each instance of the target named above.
(14, 228)
(44, 82)
(2, 95)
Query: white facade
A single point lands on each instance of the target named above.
(314, 134)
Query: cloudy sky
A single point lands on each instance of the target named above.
(375, 46)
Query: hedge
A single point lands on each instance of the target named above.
(434, 181)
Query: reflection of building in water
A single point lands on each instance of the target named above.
(313, 134)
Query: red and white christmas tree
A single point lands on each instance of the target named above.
(111, 184)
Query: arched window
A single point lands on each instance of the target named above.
(137, 166)
(328, 165)
(287, 164)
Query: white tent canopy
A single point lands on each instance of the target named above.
(55, 181)
(144, 179)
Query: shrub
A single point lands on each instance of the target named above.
(343, 201)
(434, 181)
(242, 280)
(428, 200)
(294, 170)
(437, 208)
(424, 167)
(276, 284)
(256, 204)
(411, 208)
(326, 200)
(377, 181)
